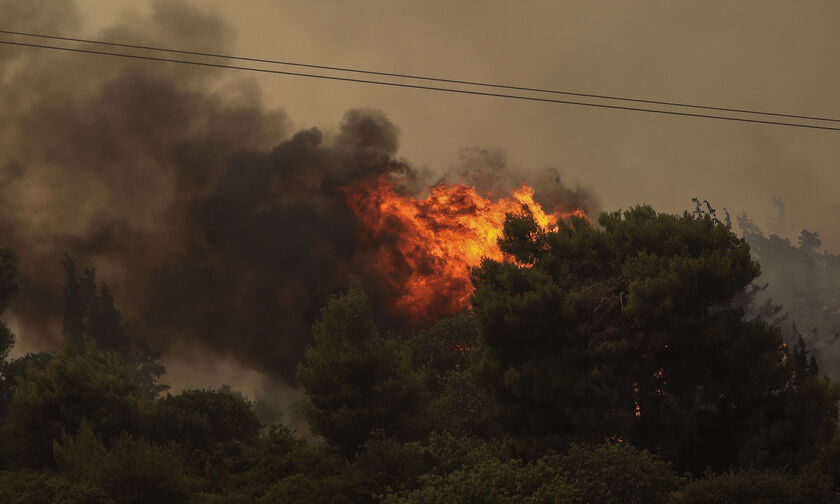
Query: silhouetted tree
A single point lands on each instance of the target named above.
(8, 288)
(91, 317)
(203, 419)
(131, 471)
(806, 283)
(628, 330)
(356, 379)
(93, 386)
(752, 486)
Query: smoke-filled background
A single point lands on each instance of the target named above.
(207, 199)
(220, 228)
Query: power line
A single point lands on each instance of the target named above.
(424, 78)
(421, 87)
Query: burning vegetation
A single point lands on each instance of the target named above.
(494, 344)
(424, 247)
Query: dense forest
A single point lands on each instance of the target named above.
(626, 360)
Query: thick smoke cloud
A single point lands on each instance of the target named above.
(488, 171)
(214, 224)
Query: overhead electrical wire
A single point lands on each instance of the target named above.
(418, 86)
(421, 77)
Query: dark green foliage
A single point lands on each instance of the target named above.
(16, 369)
(130, 472)
(445, 347)
(8, 277)
(76, 292)
(30, 487)
(470, 471)
(828, 462)
(73, 387)
(79, 457)
(384, 466)
(505, 482)
(628, 330)
(303, 489)
(443, 355)
(92, 319)
(13, 372)
(291, 470)
(616, 474)
(137, 472)
(802, 365)
(446, 453)
(794, 425)
(548, 378)
(238, 472)
(89, 313)
(797, 422)
(463, 408)
(7, 342)
(752, 486)
(203, 419)
(593, 364)
(146, 369)
(278, 454)
(7, 380)
(8, 288)
(356, 379)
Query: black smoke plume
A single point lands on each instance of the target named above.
(213, 224)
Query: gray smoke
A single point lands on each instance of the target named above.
(213, 223)
(799, 288)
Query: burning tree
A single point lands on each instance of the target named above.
(423, 247)
(623, 330)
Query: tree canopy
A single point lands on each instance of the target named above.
(356, 379)
(609, 362)
(628, 330)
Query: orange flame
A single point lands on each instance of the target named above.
(424, 247)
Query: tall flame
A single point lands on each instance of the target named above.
(424, 247)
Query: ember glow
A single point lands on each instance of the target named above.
(424, 247)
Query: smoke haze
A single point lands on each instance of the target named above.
(218, 226)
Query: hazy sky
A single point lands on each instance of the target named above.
(769, 55)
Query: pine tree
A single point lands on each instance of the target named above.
(91, 319)
(630, 330)
(357, 380)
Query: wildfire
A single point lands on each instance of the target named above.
(424, 247)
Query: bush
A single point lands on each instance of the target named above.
(72, 388)
(29, 487)
(132, 471)
(617, 474)
(138, 472)
(203, 419)
(506, 482)
(356, 379)
(753, 486)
